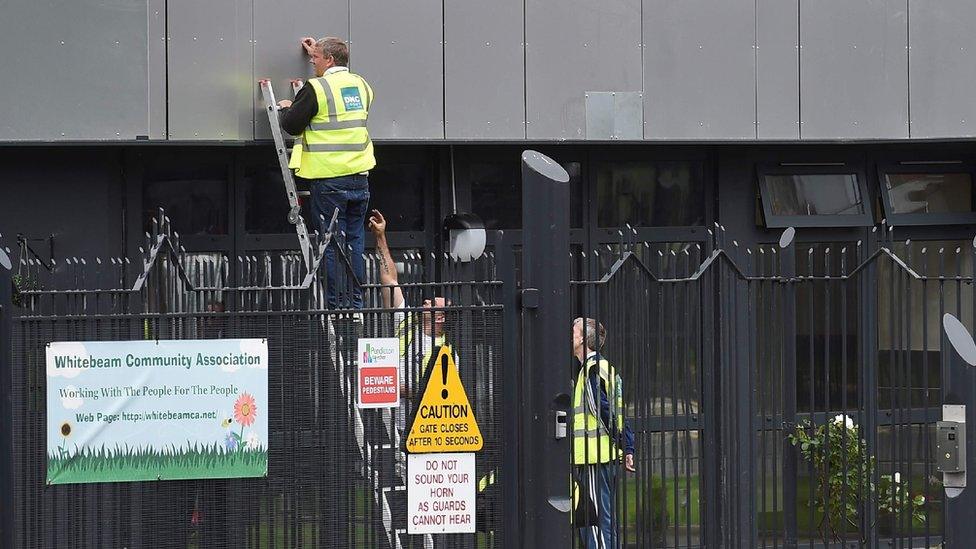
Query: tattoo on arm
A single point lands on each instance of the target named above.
(383, 264)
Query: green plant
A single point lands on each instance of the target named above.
(22, 283)
(844, 476)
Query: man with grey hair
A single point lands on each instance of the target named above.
(333, 151)
(599, 431)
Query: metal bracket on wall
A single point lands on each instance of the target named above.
(23, 241)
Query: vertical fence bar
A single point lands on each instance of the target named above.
(511, 384)
(6, 408)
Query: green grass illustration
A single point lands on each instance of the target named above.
(122, 464)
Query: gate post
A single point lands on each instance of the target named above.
(6, 404)
(959, 387)
(546, 338)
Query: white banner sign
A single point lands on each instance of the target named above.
(156, 410)
(441, 494)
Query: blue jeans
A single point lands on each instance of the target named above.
(350, 194)
(600, 480)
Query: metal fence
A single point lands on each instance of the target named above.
(336, 474)
(778, 396)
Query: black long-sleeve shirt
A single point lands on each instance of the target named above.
(296, 118)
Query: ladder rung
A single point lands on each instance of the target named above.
(304, 193)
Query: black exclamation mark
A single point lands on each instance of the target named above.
(444, 376)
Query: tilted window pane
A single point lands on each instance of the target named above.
(813, 194)
(922, 193)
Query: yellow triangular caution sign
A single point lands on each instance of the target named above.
(444, 421)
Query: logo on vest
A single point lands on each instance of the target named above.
(351, 98)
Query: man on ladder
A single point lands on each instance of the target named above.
(334, 152)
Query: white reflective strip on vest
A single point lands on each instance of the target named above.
(336, 147)
(329, 101)
(337, 125)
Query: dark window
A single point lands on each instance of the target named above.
(397, 190)
(496, 193)
(193, 194)
(265, 202)
(940, 195)
(650, 194)
(813, 198)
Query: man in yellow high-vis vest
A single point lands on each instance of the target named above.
(334, 152)
(601, 437)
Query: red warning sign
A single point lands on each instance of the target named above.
(379, 386)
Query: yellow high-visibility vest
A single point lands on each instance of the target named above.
(336, 141)
(592, 442)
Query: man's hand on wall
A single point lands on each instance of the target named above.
(309, 44)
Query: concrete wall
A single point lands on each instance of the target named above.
(509, 70)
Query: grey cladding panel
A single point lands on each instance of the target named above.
(278, 28)
(73, 70)
(943, 68)
(854, 69)
(157, 69)
(778, 69)
(210, 72)
(700, 77)
(396, 46)
(573, 46)
(484, 71)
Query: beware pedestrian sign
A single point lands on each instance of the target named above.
(444, 421)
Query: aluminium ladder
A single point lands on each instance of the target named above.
(295, 208)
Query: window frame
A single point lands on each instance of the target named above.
(775, 221)
(896, 219)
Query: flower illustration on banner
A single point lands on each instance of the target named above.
(252, 441)
(230, 442)
(65, 432)
(245, 410)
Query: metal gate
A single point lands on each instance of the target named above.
(781, 396)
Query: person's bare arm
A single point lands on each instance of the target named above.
(392, 295)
